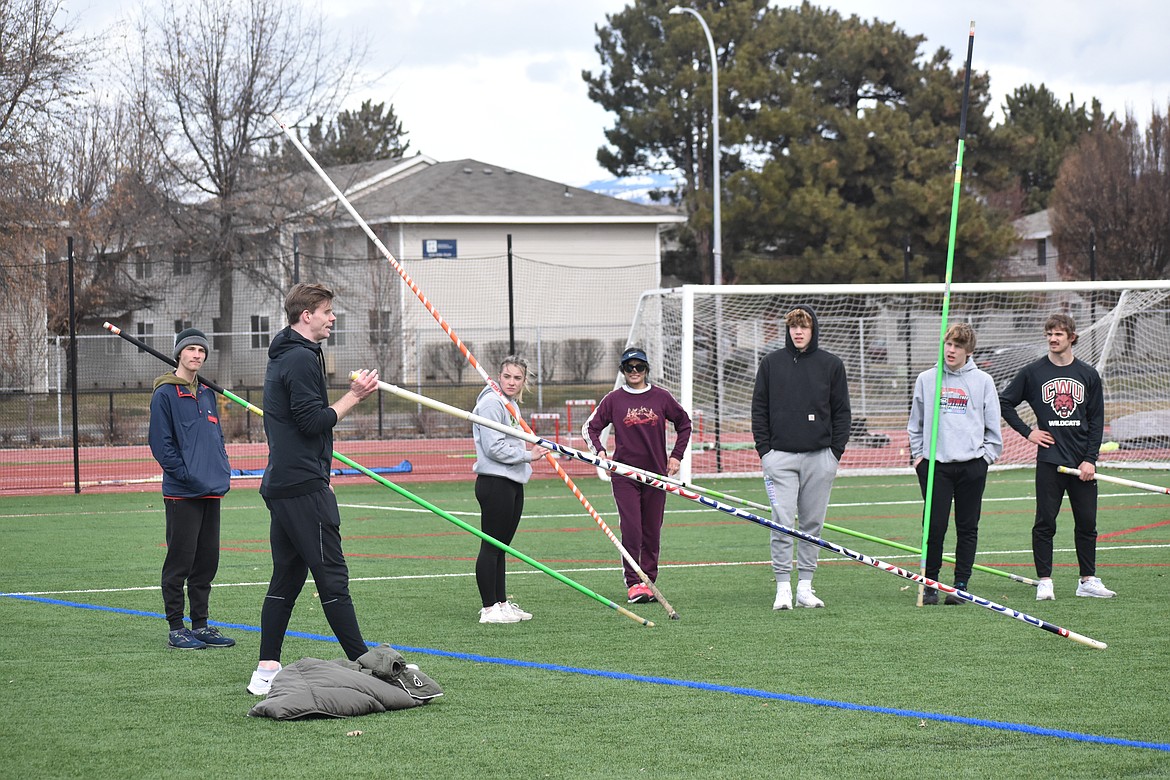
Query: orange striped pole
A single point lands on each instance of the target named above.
(296, 142)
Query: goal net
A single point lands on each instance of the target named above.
(705, 343)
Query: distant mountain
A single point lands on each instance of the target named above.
(635, 189)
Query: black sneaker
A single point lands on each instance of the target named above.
(951, 599)
(185, 639)
(210, 636)
(929, 597)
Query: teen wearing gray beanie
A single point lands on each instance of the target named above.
(188, 337)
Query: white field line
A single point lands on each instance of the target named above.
(421, 510)
(519, 572)
(475, 512)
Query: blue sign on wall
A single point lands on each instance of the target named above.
(439, 247)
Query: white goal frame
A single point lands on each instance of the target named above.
(1123, 329)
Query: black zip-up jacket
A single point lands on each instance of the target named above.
(801, 399)
(297, 418)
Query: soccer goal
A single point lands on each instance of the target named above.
(705, 343)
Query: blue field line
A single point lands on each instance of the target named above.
(734, 690)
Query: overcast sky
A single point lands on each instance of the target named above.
(500, 81)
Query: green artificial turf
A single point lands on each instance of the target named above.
(869, 685)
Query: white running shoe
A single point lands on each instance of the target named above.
(514, 608)
(1044, 590)
(1094, 588)
(496, 613)
(261, 681)
(783, 596)
(806, 596)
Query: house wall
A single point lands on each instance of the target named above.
(569, 282)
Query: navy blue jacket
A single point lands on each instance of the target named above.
(801, 399)
(297, 418)
(187, 441)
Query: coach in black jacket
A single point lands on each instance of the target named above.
(800, 421)
(305, 526)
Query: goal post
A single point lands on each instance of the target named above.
(705, 343)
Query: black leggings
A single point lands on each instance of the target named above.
(501, 502)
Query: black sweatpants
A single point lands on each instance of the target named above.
(961, 483)
(501, 502)
(305, 535)
(1051, 486)
(192, 557)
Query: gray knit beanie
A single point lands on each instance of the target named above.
(187, 338)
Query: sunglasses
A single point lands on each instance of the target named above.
(635, 368)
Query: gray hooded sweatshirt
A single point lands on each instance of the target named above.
(496, 454)
(968, 425)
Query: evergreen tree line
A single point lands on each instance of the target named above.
(838, 138)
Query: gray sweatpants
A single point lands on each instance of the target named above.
(799, 484)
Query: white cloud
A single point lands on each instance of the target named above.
(501, 81)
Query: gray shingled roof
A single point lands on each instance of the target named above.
(1034, 225)
(470, 188)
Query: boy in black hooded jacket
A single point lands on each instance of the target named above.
(800, 422)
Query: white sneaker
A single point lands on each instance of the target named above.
(514, 608)
(261, 681)
(806, 596)
(783, 596)
(1094, 588)
(1044, 590)
(496, 613)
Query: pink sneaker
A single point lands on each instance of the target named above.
(639, 594)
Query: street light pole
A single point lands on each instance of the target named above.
(717, 233)
(716, 238)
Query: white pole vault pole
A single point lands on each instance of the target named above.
(638, 475)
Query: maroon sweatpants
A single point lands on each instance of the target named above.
(640, 509)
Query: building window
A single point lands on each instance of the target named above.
(182, 325)
(181, 263)
(373, 254)
(379, 326)
(337, 335)
(260, 332)
(328, 248)
(220, 335)
(1041, 252)
(142, 265)
(146, 334)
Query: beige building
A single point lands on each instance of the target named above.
(579, 262)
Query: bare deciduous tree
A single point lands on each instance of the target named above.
(580, 357)
(445, 362)
(548, 359)
(42, 61)
(208, 77)
(1114, 191)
